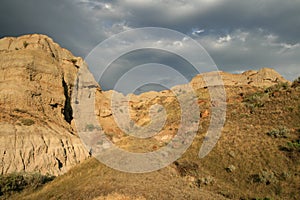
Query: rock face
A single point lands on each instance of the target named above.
(264, 77)
(37, 131)
(36, 82)
(139, 106)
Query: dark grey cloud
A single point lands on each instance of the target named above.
(139, 57)
(281, 17)
(240, 51)
(60, 19)
(208, 21)
(239, 35)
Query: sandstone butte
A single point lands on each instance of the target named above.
(37, 131)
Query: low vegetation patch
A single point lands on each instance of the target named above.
(17, 182)
(27, 122)
(256, 100)
(264, 177)
(74, 61)
(20, 110)
(281, 132)
(187, 168)
(25, 44)
(276, 88)
(291, 146)
(296, 83)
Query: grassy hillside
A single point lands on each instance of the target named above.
(257, 157)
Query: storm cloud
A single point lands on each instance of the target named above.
(238, 35)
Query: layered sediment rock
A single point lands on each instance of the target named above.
(36, 82)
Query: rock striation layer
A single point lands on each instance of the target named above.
(36, 82)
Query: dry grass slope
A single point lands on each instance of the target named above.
(257, 157)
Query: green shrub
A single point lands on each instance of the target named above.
(291, 146)
(25, 44)
(281, 132)
(16, 182)
(20, 110)
(284, 85)
(256, 100)
(12, 182)
(265, 177)
(187, 168)
(277, 87)
(74, 61)
(294, 144)
(296, 83)
(27, 122)
(290, 108)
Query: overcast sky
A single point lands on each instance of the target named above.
(238, 35)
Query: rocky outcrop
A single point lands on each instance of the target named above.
(37, 131)
(140, 105)
(36, 82)
(264, 77)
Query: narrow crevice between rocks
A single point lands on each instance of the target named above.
(65, 152)
(23, 161)
(2, 162)
(44, 141)
(59, 163)
(67, 111)
(51, 50)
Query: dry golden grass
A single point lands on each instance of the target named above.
(246, 163)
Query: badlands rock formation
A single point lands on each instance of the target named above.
(264, 77)
(37, 131)
(139, 106)
(36, 82)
